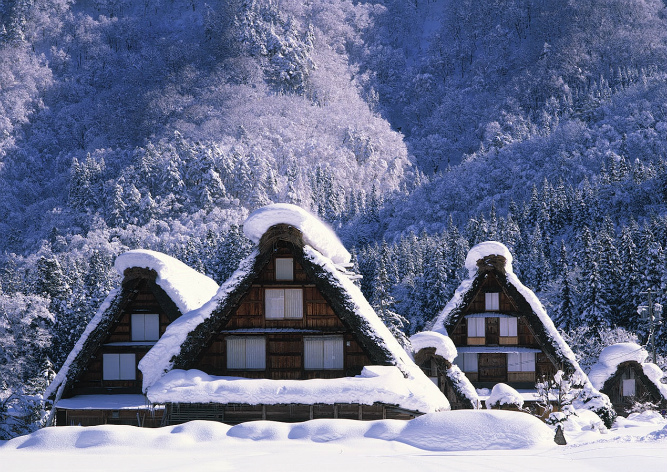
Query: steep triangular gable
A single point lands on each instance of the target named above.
(168, 281)
(185, 339)
(493, 259)
(179, 351)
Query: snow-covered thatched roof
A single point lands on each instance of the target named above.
(613, 356)
(315, 232)
(183, 286)
(185, 339)
(494, 257)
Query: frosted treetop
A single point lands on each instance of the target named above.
(188, 288)
(315, 232)
(485, 249)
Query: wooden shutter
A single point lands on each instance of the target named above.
(255, 353)
(110, 367)
(235, 353)
(128, 366)
(333, 353)
(274, 303)
(528, 362)
(137, 322)
(470, 362)
(284, 268)
(513, 362)
(508, 326)
(313, 353)
(151, 327)
(293, 303)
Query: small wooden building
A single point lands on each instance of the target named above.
(502, 333)
(624, 376)
(288, 337)
(100, 382)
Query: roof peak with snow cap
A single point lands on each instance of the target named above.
(487, 255)
(187, 288)
(315, 232)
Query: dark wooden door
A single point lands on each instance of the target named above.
(493, 331)
(492, 367)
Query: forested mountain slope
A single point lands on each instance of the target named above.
(416, 128)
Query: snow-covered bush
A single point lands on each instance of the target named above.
(504, 396)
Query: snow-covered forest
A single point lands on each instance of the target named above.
(415, 128)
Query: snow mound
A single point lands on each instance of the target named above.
(188, 288)
(383, 384)
(315, 232)
(462, 430)
(484, 249)
(503, 394)
(79, 437)
(443, 345)
(616, 354)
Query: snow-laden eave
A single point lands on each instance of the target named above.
(376, 384)
(160, 358)
(57, 386)
(186, 287)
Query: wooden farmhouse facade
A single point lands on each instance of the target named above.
(100, 382)
(501, 332)
(623, 375)
(288, 337)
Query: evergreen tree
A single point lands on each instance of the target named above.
(383, 302)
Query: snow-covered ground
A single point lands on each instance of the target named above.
(457, 440)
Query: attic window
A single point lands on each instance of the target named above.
(282, 303)
(119, 367)
(492, 301)
(246, 353)
(284, 268)
(323, 352)
(145, 327)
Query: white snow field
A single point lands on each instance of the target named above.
(464, 440)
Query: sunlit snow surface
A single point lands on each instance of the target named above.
(456, 440)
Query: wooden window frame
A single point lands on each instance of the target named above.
(493, 299)
(280, 264)
(314, 343)
(257, 362)
(138, 326)
(285, 314)
(115, 366)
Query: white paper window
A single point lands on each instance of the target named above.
(323, 352)
(246, 353)
(629, 386)
(119, 367)
(476, 327)
(508, 326)
(145, 327)
(283, 303)
(492, 301)
(467, 361)
(285, 268)
(521, 362)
